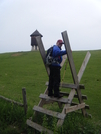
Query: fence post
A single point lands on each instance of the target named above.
(24, 99)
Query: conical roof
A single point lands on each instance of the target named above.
(36, 33)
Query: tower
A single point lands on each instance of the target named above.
(33, 40)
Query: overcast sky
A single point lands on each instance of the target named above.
(20, 18)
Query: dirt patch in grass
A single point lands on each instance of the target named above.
(17, 54)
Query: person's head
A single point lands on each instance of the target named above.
(59, 43)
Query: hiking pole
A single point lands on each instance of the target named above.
(65, 71)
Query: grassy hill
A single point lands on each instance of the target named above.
(26, 69)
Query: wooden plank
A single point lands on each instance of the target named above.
(48, 102)
(49, 112)
(38, 127)
(70, 98)
(76, 96)
(42, 52)
(74, 108)
(74, 103)
(72, 86)
(43, 55)
(69, 85)
(64, 57)
(65, 85)
(63, 100)
(83, 66)
(11, 101)
(72, 67)
(69, 55)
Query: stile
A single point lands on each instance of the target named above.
(75, 88)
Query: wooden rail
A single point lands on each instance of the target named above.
(24, 104)
(11, 101)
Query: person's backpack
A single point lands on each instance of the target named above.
(49, 58)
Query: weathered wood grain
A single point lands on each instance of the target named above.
(49, 112)
(74, 108)
(38, 127)
(46, 97)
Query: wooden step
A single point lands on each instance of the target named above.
(74, 103)
(63, 100)
(74, 108)
(76, 96)
(49, 112)
(38, 127)
(66, 85)
(72, 86)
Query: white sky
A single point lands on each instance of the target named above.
(20, 18)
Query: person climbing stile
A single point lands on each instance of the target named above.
(54, 77)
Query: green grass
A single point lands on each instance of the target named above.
(26, 69)
(12, 118)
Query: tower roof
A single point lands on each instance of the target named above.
(36, 33)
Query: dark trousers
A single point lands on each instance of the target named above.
(54, 80)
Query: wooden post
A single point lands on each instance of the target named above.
(72, 67)
(42, 52)
(24, 99)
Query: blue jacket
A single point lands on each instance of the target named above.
(57, 54)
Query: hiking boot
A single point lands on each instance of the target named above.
(50, 95)
(58, 96)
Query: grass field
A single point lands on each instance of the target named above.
(26, 69)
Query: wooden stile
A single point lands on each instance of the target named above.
(75, 91)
